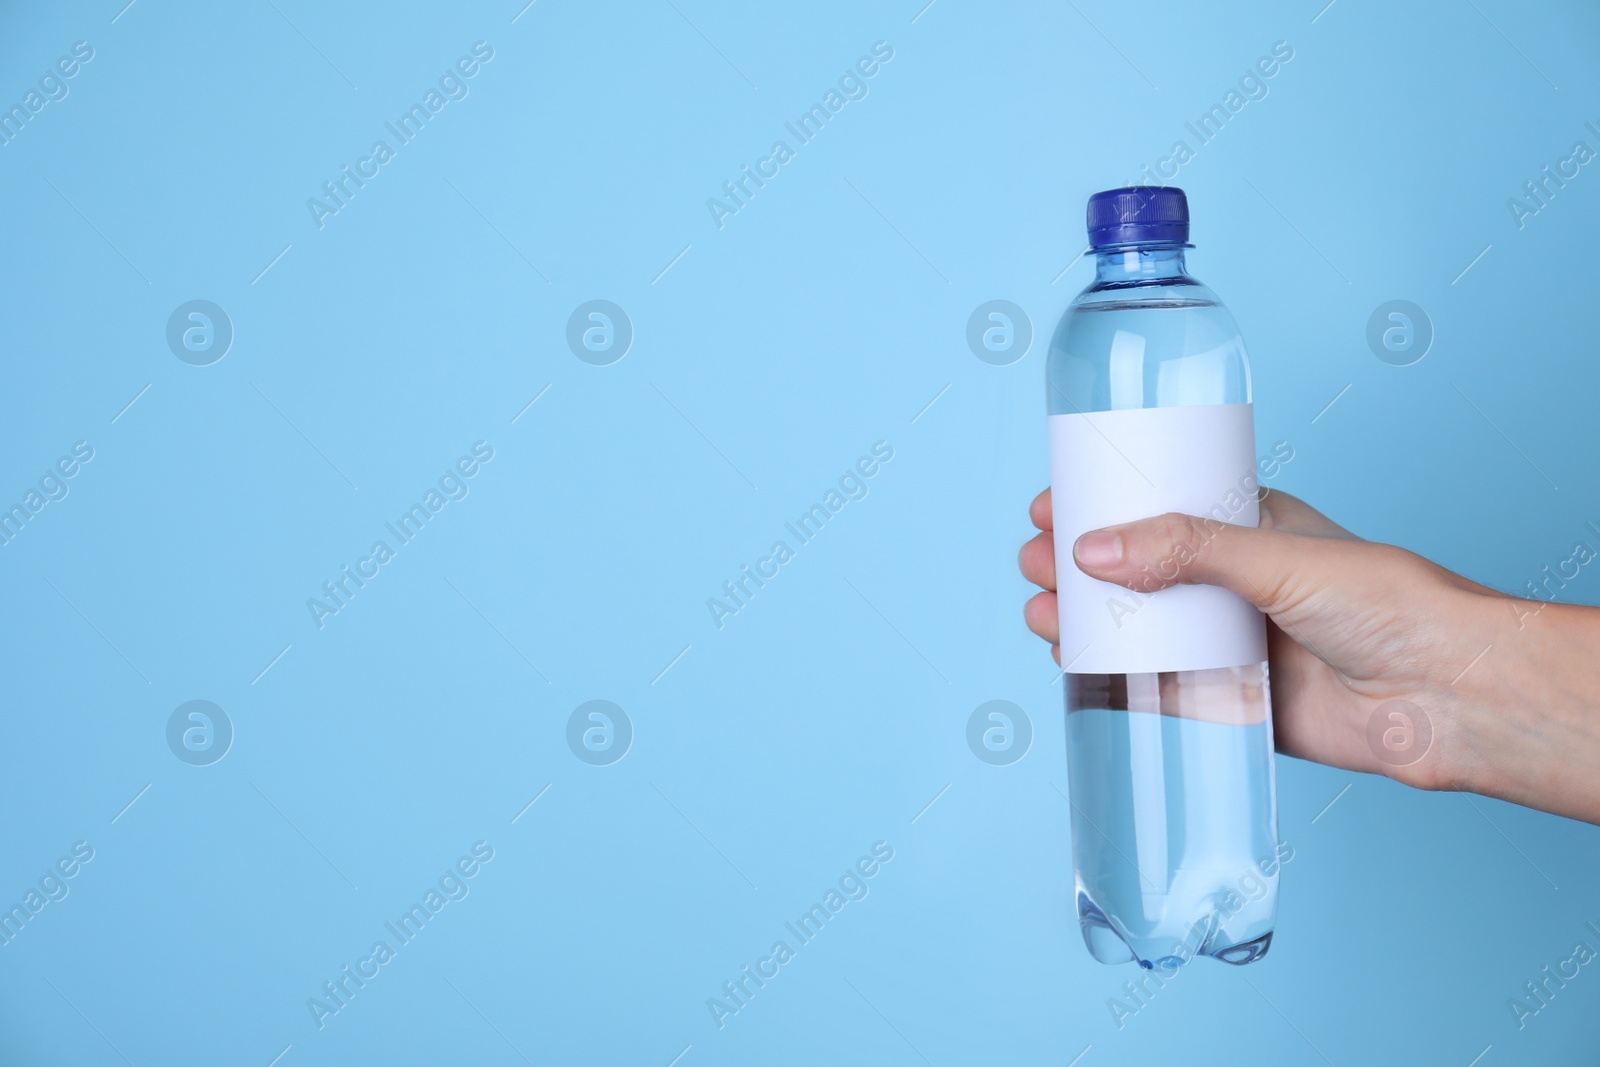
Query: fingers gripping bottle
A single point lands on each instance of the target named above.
(1169, 725)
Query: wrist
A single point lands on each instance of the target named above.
(1519, 721)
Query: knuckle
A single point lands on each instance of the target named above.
(1170, 544)
(1176, 531)
(1183, 541)
(1397, 564)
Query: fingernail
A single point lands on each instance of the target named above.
(1099, 549)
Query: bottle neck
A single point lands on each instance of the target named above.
(1150, 264)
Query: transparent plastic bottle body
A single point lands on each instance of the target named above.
(1174, 810)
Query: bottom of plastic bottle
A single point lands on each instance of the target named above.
(1108, 946)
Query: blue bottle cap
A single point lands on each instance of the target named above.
(1137, 215)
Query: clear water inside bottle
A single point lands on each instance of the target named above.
(1173, 842)
(1174, 815)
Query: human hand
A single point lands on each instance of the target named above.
(1506, 684)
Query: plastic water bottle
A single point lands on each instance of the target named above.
(1169, 725)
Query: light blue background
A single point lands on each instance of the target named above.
(824, 717)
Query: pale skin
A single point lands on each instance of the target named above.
(1510, 686)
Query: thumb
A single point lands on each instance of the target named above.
(1269, 568)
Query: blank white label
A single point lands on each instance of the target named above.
(1110, 467)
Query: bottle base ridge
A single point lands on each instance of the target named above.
(1206, 938)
